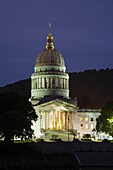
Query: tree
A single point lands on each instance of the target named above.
(105, 120)
(16, 116)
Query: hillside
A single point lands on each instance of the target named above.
(21, 87)
(92, 88)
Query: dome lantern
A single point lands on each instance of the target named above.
(49, 44)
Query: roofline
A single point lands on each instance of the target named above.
(89, 110)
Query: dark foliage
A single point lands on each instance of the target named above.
(105, 120)
(16, 115)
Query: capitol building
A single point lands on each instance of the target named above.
(50, 97)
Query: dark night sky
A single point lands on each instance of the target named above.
(82, 30)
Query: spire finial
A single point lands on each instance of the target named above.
(49, 44)
(50, 27)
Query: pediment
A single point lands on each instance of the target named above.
(56, 105)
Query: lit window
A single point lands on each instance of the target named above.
(86, 118)
(92, 126)
(87, 126)
(81, 119)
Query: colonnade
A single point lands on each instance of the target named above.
(50, 83)
(56, 120)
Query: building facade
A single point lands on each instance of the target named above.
(50, 96)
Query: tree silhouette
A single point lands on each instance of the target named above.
(105, 120)
(16, 116)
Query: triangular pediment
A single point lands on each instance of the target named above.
(56, 105)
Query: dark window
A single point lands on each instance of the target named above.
(81, 125)
(92, 119)
(53, 83)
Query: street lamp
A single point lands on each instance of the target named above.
(68, 126)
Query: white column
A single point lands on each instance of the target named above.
(39, 83)
(43, 120)
(58, 119)
(32, 84)
(35, 83)
(48, 120)
(40, 121)
(54, 118)
(47, 82)
(62, 83)
(68, 124)
(67, 84)
(42, 82)
(37, 125)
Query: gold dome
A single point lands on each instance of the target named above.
(50, 56)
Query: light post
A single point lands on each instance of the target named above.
(68, 126)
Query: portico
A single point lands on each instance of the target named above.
(54, 115)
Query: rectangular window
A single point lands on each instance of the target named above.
(81, 119)
(81, 126)
(86, 119)
(87, 126)
(92, 119)
(92, 126)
